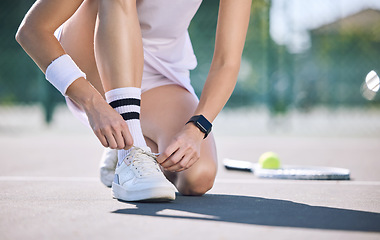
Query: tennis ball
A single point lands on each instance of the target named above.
(269, 160)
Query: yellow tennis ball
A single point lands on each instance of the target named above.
(269, 160)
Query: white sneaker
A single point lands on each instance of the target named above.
(140, 178)
(107, 166)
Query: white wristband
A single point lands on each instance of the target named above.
(62, 72)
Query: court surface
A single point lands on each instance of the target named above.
(50, 190)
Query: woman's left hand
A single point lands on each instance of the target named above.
(183, 151)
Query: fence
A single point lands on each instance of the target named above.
(322, 63)
(326, 68)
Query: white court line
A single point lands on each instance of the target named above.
(218, 180)
(47, 179)
(288, 181)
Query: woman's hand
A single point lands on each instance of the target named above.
(108, 126)
(183, 151)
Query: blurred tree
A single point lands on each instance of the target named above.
(21, 82)
(252, 85)
(343, 52)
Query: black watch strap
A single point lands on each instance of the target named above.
(202, 123)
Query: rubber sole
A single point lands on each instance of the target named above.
(158, 194)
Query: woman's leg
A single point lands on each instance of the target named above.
(77, 39)
(164, 112)
(118, 44)
(109, 51)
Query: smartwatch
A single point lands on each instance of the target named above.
(202, 123)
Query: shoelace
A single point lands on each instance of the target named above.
(145, 162)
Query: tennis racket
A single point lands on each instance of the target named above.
(289, 171)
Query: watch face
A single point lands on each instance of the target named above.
(204, 124)
(201, 127)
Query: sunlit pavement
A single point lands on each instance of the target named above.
(50, 190)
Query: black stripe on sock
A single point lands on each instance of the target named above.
(130, 115)
(125, 102)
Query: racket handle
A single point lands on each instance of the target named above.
(238, 165)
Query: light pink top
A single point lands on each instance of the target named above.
(168, 53)
(167, 46)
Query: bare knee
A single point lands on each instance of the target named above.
(197, 184)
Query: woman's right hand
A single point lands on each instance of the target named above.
(108, 125)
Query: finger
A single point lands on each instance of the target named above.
(194, 159)
(182, 163)
(174, 158)
(171, 165)
(102, 139)
(120, 143)
(190, 163)
(187, 163)
(128, 140)
(111, 140)
(126, 135)
(170, 161)
(172, 148)
(174, 168)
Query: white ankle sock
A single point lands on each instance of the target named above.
(126, 101)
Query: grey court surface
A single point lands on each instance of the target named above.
(50, 190)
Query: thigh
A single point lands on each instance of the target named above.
(164, 112)
(77, 39)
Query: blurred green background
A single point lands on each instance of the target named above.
(299, 56)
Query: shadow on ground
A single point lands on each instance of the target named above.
(258, 211)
